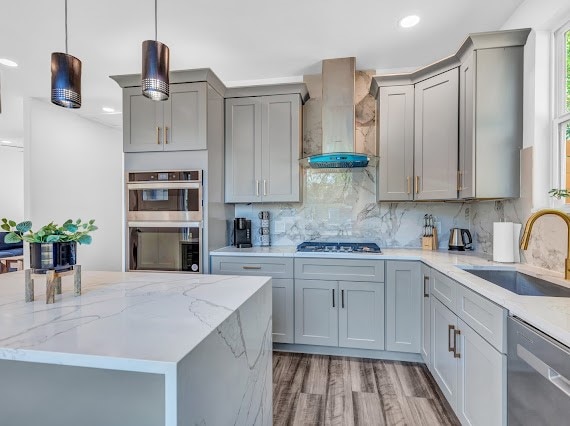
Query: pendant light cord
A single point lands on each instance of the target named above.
(66, 52)
(155, 20)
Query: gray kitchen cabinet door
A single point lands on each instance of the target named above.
(316, 312)
(142, 122)
(467, 74)
(361, 315)
(481, 396)
(283, 310)
(396, 141)
(185, 118)
(443, 362)
(281, 136)
(403, 306)
(436, 132)
(425, 349)
(243, 150)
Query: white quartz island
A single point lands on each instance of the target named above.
(137, 349)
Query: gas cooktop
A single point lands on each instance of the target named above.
(316, 247)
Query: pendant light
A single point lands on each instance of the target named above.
(155, 66)
(65, 77)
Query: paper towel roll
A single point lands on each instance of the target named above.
(503, 237)
(516, 241)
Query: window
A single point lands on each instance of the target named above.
(562, 105)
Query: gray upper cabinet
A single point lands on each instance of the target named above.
(436, 137)
(263, 142)
(396, 143)
(361, 315)
(177, 124)
(491, 99)
(403, 306)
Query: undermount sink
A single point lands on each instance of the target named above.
(520, 283)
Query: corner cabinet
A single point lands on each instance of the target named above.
(425, 349)
(263, 143)
(177, 124)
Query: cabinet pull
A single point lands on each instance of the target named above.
(455, 334)
(459, 188)
(426, 288)
(408, 185)
(257, 188)
(342, 298)
(333, 297)
(417, 184)
(450, 328)
(264, 187)
(166, 134)
(251, 267)
(158, 135)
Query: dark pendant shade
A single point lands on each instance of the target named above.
(155, 66)
(65, 80)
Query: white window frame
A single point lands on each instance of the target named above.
(559, 113)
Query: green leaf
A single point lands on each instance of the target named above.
(67, 221)
(41, 232)
(92, 221)
(85, 239)
(12, 238)
(30, 239)
(24, 226)
(53, 238)
(78, 221)
(5, 227)
(12, 223)
(93, 228)
(70, 227)
(4, 220)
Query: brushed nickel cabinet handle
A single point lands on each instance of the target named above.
(450, 328)
(455, 334)
(426, 288)
(408, 184)
(342, 298)
(333, 297)
(257, 188)
(264, 187)
(251, 267)
(166, 134)
(158, 135)
(417, 184)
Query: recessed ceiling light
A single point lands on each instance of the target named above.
(8, 62)
(108, 109)
(6, 142)
(409, 21)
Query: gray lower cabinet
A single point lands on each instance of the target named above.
(263, 142)
(283, 310)
(361, 315)
(178, 124)
(316, 312)
(425, 349)
(403, 306)
(436, 137)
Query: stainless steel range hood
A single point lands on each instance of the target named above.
(338, 121)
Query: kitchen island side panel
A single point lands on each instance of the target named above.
(227, 379)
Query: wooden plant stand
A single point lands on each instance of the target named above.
(53, 283)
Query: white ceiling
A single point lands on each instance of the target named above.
(240, 41)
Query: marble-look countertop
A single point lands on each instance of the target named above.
(133, 321)
(549, 314)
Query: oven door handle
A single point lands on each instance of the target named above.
(163, 185)
(151, 224)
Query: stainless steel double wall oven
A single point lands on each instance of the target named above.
(164, 219)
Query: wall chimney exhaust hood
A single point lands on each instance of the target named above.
(338, 120)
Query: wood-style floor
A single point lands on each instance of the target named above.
(328, 390)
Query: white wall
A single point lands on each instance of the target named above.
(74, 169)
(12, 183)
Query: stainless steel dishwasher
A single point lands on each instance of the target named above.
(538, 377)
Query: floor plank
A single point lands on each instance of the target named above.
(339, 391)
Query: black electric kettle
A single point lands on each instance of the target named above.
(460, 239)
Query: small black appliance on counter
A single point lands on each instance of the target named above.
(242, 232)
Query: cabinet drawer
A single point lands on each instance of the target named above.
(276, 267)
(340, 269)
(444, 288)
(483, 316)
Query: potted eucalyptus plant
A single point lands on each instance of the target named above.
(52, 247)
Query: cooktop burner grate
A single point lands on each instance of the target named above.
(327, 247)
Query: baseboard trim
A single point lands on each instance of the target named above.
(355, 353)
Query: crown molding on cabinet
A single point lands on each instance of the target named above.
(269, 90)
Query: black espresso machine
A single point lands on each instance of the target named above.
(242, 232)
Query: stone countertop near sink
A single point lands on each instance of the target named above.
(549, 314)
(132, 321)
